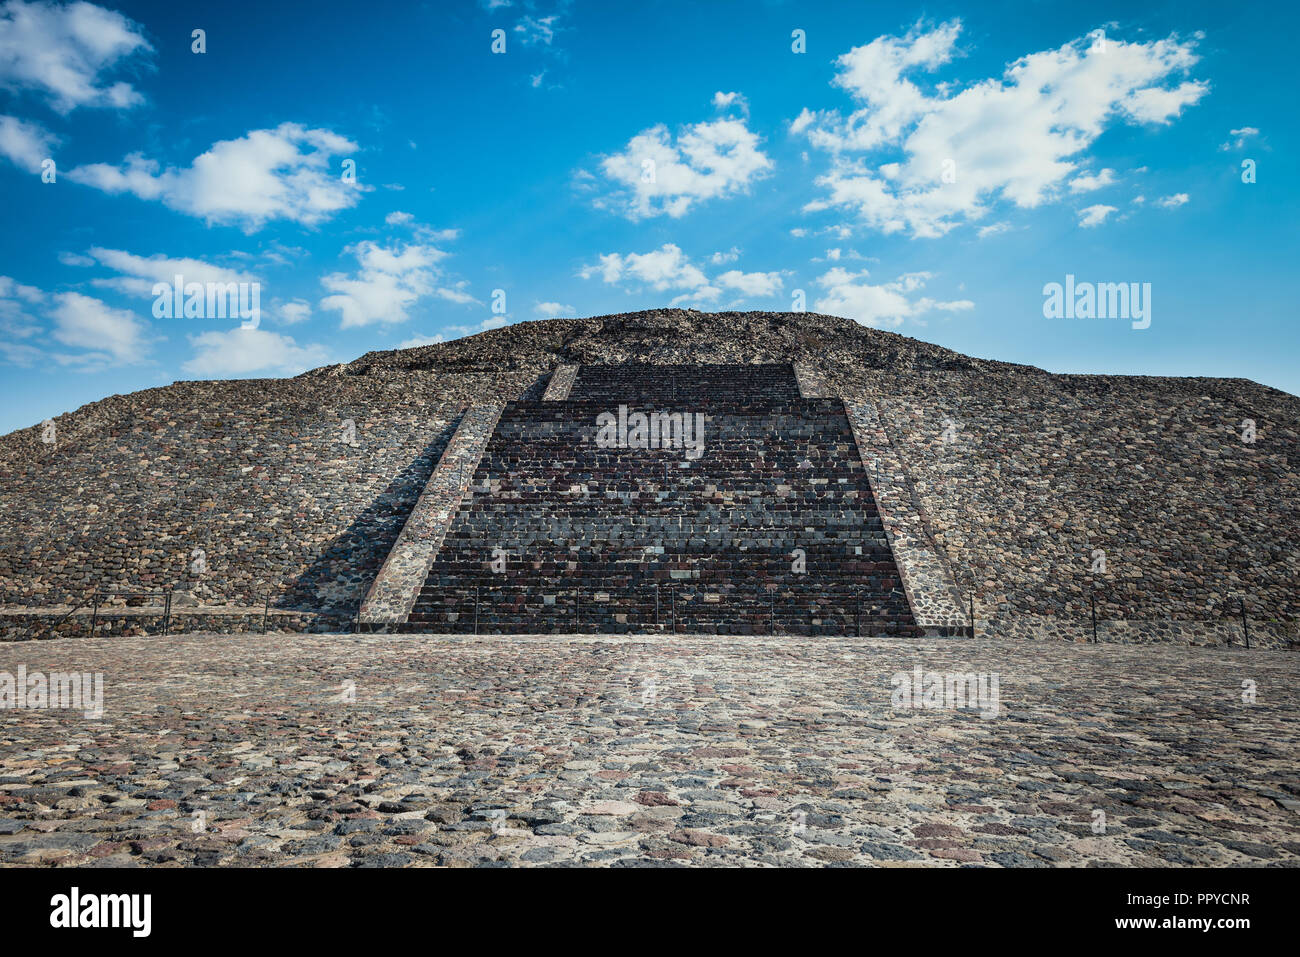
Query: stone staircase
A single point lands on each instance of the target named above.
(575, 524)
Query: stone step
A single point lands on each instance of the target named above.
(558, 531)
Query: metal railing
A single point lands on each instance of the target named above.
(1233, 611)
(97, 603)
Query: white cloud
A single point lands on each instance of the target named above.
(25, 144)
(106, 333)
(836, 254)
(657, 176)
(388, 282)
(1092, 216)
(417, 341)
(16, 320)
(12, 289)
(1237, 138)
(720, 258)
(992, 229)
(19, 353)
(427, 234)
(456, 293)
(669, 269)
(1087, 182)
(1159, 105)
(139, 273)
(533, 30)
(1012, 139)
(725, 101)
(106, 336)
(665, 268)
(803, 121)
(495, 322)
(291, 312)
(879, 306)
(750, 283)
(1174, 201)
(422, 232)
(240, 351)
(284, 173)
(63, 52)
(549, 310)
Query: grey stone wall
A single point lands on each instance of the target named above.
(931, 588)
(1217, 632)
(225, 491)
(1026, 477)
(398, 583)
(812, 384)
(560, 382)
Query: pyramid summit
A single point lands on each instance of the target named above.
(667, 336)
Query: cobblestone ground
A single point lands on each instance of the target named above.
(246, 750)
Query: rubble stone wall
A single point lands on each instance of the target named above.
(224, 491)
(560, 383)
(931, 587)
(1028, 479)
(393, 593)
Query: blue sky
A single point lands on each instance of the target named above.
(923, 169)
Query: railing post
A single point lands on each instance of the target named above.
(476, 587)
(1245, 628)
(94, 618)
(266, 610)
(656, 606)
(167, 612)
(1092, 603)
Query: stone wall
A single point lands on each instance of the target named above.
(266, 479)
(1221, 632)
(930, 583)
(566, 535)
(560, 382)
(395, 588)
(812, 384)
(1025, 477)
